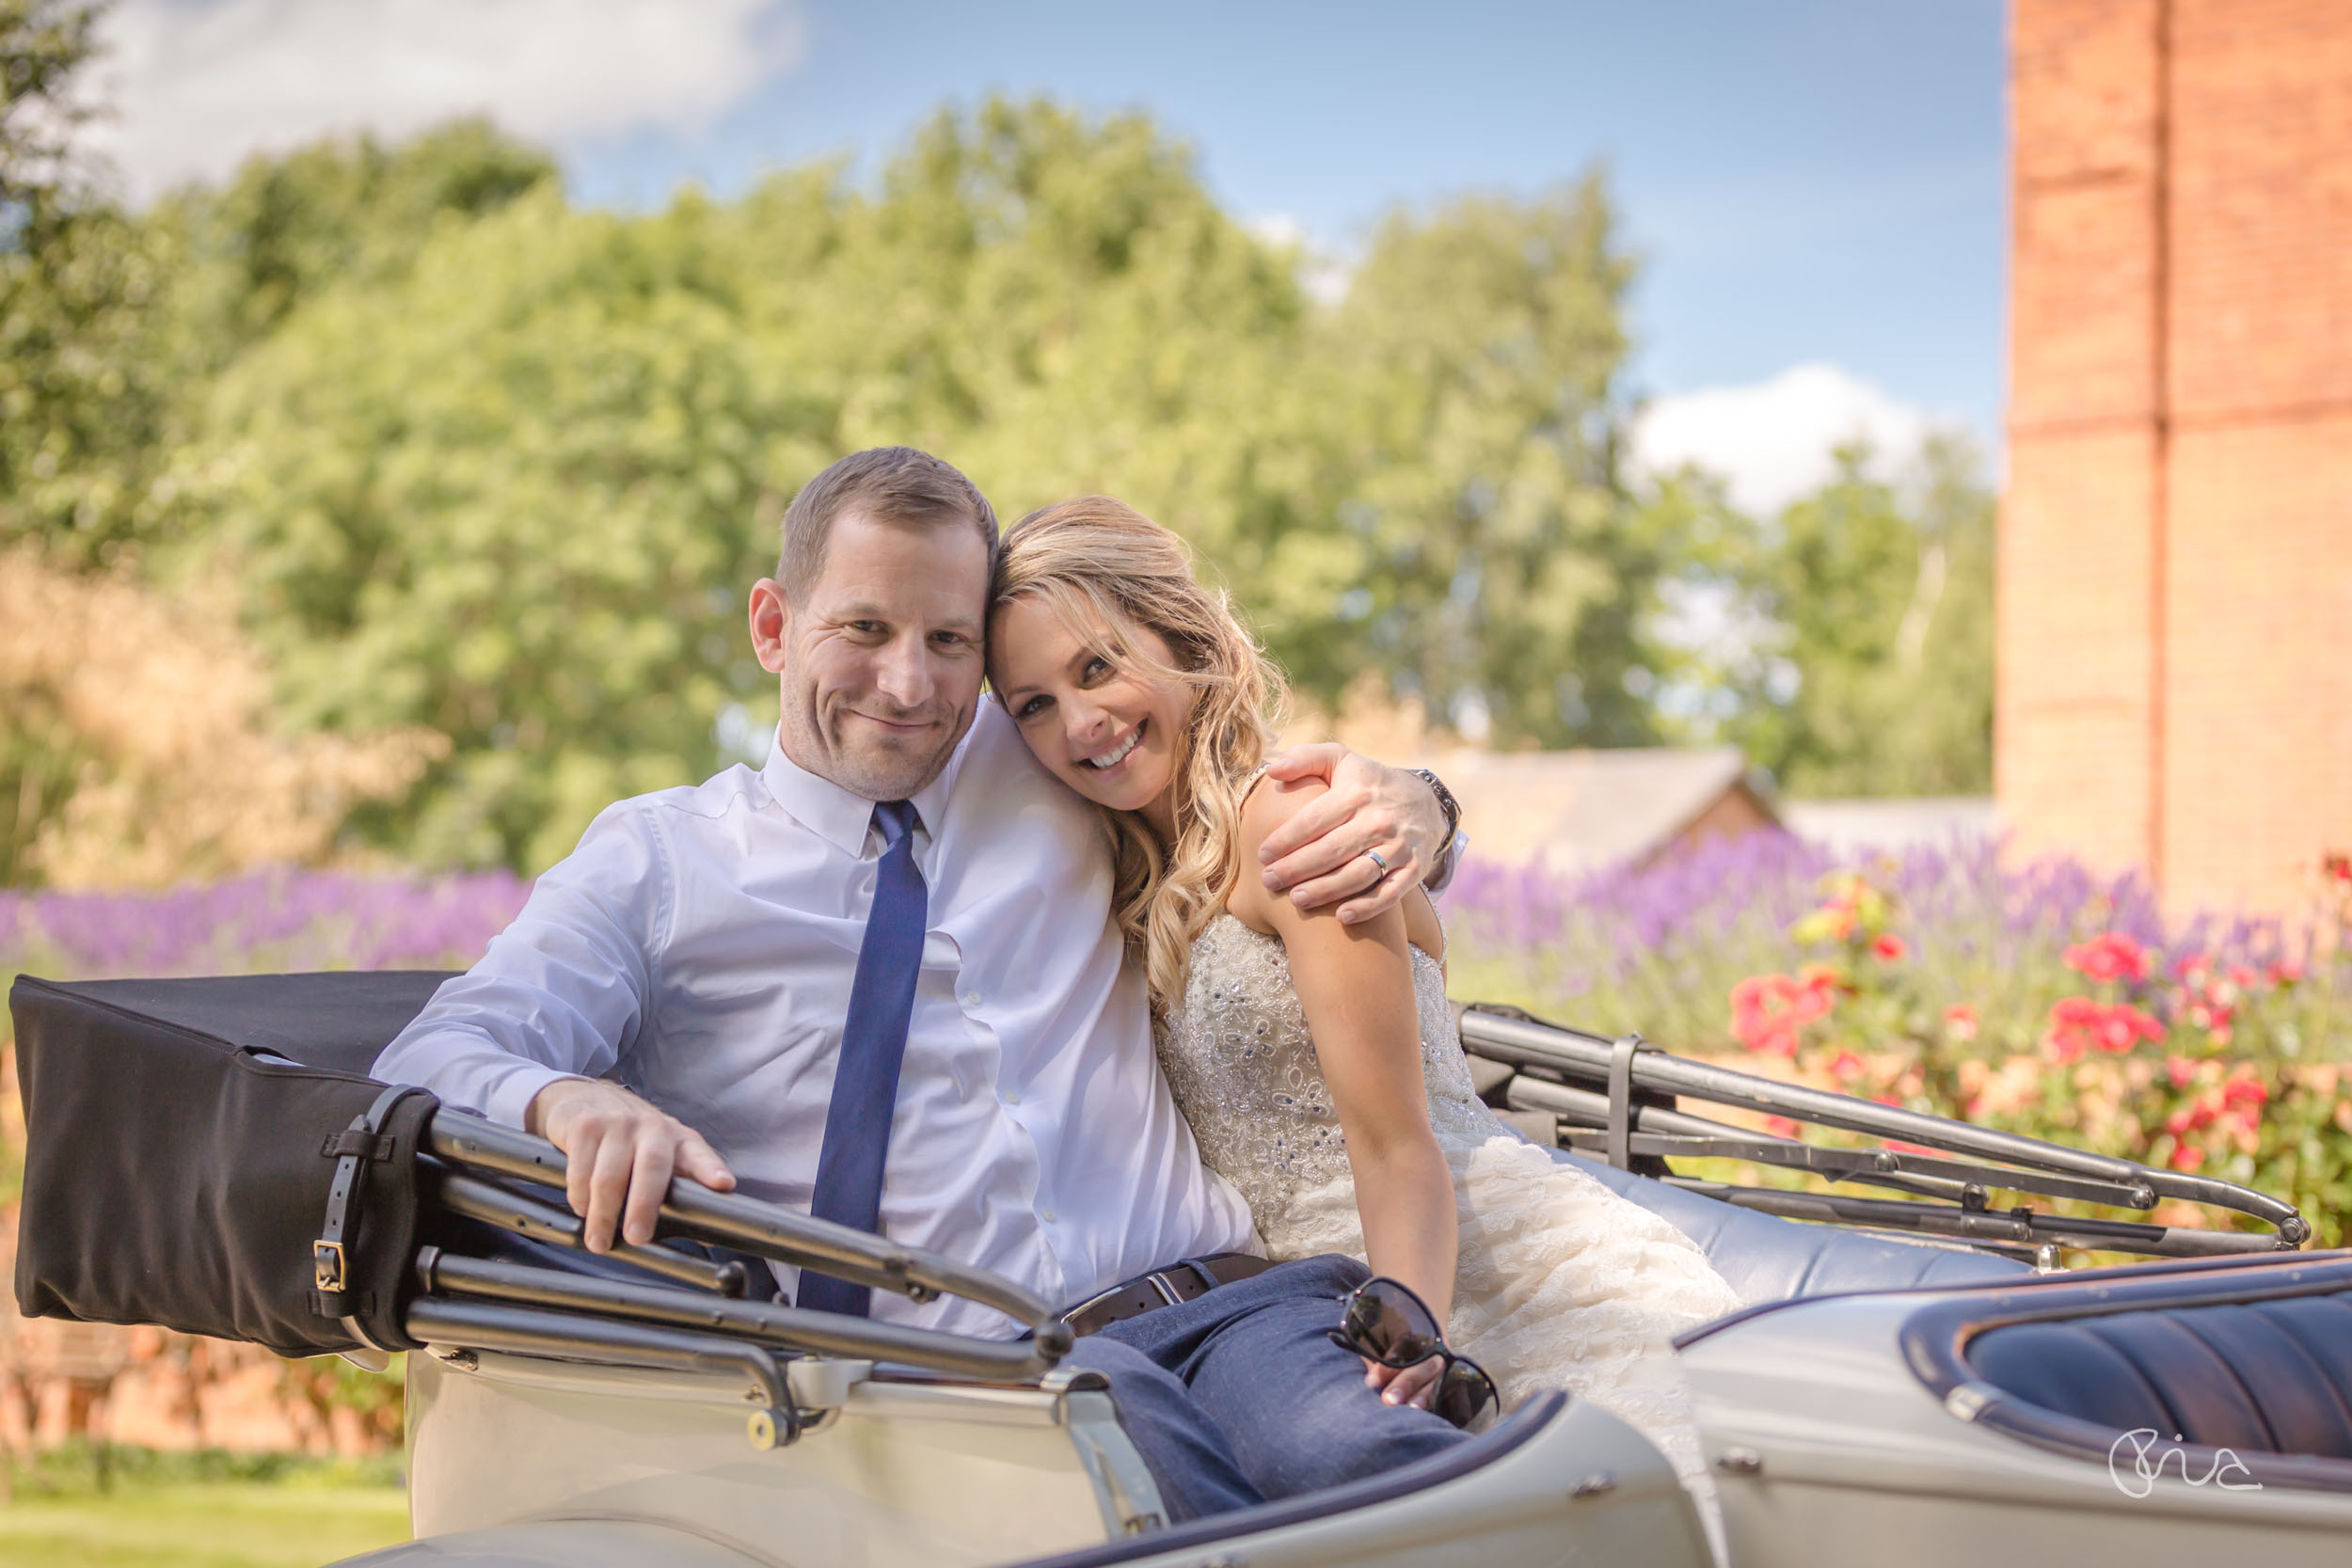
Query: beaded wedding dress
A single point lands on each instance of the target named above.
(1561, 1284)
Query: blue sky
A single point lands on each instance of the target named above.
(1817, 186)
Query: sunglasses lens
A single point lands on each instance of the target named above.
(1387, 1323)
(1463, 1392)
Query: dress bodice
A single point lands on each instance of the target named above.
(1242, 1067)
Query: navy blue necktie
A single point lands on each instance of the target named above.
(873, 1043)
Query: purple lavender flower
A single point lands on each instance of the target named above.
(279, 920)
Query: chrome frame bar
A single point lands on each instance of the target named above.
(476, 1326)
(495, 1204)
(799, 1329)
(762, 1230)
(1563, 1064)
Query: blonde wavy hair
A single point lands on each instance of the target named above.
(1104, 569)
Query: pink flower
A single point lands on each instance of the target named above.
(2079, 1023)
(2074, 1027)
(1767, 1010)
(1844, 1066)
(2245, 1092)
(2188, 1157)
(2123, 1026)
(1959, 1021)
(1889, 947)
(2180, 1069)
(2109, 957)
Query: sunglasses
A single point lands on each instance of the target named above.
(1385, 1322)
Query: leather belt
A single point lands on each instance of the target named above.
(1186, 1281)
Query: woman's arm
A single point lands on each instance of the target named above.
(1356, 987)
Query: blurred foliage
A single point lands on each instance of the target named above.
(1478, 353)
(486, 464)
(138, 744)
(1863, 660)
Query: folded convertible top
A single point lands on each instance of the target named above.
(185, 1142)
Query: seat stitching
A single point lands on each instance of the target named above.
(2187, 1321)
(2147, 1379)
(2290, 1326)
(2283, 1327)
(1812, 1265)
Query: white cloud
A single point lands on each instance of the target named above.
(1771, 442)
(1322, 272)
(200, 85)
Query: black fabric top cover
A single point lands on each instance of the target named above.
(176, 1167)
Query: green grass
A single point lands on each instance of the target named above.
(88, 1507)
(204, 1525)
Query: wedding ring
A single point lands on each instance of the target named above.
(1374, 856)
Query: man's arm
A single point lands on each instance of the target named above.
(1319, 855)
(522, 1037)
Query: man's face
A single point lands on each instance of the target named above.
(880, 666)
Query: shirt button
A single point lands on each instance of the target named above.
(971, 999)
(1012, 1097)
(1048, 1215)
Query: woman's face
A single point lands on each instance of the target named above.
(1110, 733)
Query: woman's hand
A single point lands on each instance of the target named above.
(1416, 1385)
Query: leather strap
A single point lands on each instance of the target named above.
(332, 1295)
(1620, 1150)
(1187, 1279)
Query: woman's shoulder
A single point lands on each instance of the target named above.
(1266, 803)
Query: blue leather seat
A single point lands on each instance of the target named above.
(1766, 1257)
(2259, 1377)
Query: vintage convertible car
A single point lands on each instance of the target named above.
(1914, 1378)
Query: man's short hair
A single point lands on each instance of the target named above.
(895, 485)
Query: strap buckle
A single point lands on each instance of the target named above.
(327, 1263)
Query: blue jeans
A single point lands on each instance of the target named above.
(1236, 1397)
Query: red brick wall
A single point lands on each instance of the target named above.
(2176, 563)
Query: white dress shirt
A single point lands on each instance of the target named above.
(699, 947)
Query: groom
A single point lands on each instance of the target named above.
(880, 973)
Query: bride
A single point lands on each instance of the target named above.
(1318, 1062)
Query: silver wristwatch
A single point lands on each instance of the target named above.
(1457, 842)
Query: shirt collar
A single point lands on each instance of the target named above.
(841, 818)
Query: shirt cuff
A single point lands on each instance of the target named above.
(1448, 861)
(512, 1095)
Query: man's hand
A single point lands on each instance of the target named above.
(1318, 855)
(620, 1153)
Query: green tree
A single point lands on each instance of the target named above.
(517, 491)
(1878, 597)
(1490, 554)
(81, 401)
(345, 212)
(490, 464)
